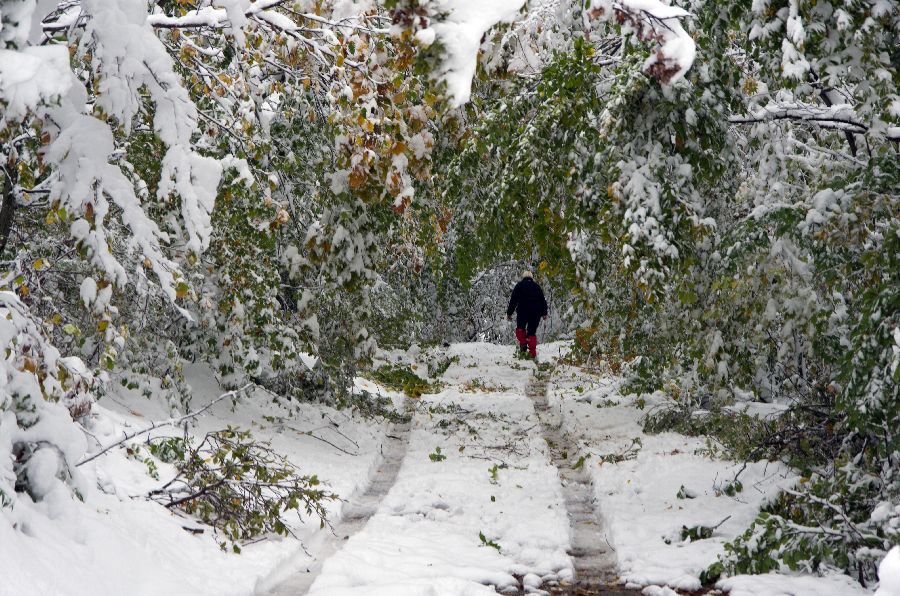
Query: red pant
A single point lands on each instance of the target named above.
(527, 340)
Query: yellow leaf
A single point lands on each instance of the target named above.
(38, 264)
(357, 179)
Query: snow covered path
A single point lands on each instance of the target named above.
(355, 514)
(510, 478)
(477, 506)
(593, 556)
(516, 478)
(648, 488)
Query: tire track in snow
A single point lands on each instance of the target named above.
(592, 555)
(357, 510)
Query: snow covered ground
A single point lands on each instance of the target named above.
(477, 504)
(476, 467)
(116, 542)
(638, 477)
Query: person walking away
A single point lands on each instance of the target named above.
(529, 304)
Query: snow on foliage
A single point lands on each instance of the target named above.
(127, 56)
(91, 189)
(460, 28)
(31, 77)
(40, 392)
(653, 21)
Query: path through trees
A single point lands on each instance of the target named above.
(482, 496)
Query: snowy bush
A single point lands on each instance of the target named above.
(836, 519)
(40, 393)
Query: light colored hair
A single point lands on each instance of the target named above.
(527, 273)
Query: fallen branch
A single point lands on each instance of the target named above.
(164, 423)
(335, 428)
(240, 485)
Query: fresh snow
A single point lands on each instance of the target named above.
(425, 535)
(31, 76)
(460, 31)
(116, 542)
(638, 496)
(778, 584)
(889, 574)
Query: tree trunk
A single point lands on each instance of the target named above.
(7, 210)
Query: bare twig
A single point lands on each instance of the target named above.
(720, 523)
(309, 434)
(164, 423)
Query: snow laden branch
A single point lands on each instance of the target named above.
(33, 366)
(164, 423)
(127, 56)
(91, 187)
(838, 117)
(656, 23)
(458, 25)
(234, 13)
(41, 391)
(233, 16)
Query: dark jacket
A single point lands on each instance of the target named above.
(527, 299)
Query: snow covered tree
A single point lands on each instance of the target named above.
(725, 225)
(140, 201)
(60, 155)
(712, 185)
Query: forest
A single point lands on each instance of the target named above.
(282, 191)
